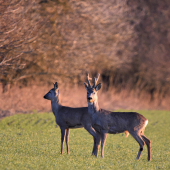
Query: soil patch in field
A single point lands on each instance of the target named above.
(30, 100)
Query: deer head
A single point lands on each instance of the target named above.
(53, 93)
(92, 90)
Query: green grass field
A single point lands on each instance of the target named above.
(32, 141)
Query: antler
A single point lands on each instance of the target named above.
(95, 80)
(88, 80)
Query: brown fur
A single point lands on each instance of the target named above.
(104, 121)
(68, 117)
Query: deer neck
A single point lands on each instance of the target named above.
(55, 105)
(93, 107)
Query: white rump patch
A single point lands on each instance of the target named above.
(146, 123)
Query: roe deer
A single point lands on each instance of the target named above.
(104, 121)
(67, 117)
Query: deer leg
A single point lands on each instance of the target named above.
(95, 137)
(67, 139)
(141, 143)
(62, 138)
(96, 144)
(103, 139)
(148, 143)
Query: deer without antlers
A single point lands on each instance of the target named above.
(104, 121)
(68, 117)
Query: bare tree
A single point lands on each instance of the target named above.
(19, 27)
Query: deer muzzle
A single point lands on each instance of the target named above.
(89, 99)
(45, 97)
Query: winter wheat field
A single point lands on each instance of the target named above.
(32, 141)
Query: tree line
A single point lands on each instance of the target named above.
(127, 41)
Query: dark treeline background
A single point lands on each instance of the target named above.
(127, 41)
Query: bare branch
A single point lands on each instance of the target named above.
(19, 27)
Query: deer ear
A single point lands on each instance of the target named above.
(98, 87)
(55, 85)
(85, 84)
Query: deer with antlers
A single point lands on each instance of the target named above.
(104, 121)
(68, 117)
